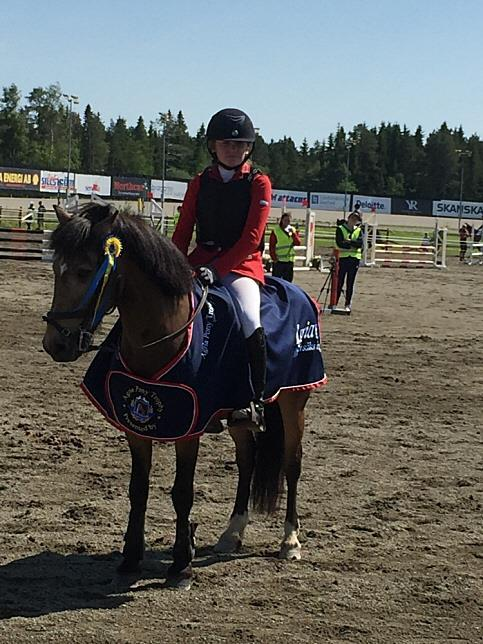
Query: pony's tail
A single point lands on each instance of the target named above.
(267, 485)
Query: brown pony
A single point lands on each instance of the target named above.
(153, 277)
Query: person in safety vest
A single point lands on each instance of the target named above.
(283, 239)
(229, 204)
(348, 238)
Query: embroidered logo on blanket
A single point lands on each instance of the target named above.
(307, 337)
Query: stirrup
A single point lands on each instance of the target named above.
(252, 414)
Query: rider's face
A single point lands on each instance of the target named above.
(231, 153)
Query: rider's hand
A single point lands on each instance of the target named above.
(206, 275)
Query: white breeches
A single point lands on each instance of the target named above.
(246, 291)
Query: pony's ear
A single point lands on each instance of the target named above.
(106, 217)
(62, 215)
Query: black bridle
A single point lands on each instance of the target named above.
(95, 304)
(92, 311)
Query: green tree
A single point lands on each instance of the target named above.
(119, 148)
(141, 157)
(441, 176)
(94, 150)
(48, 119)
(14, 147)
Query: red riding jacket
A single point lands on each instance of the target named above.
(244, 257)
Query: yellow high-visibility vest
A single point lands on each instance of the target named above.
(350, 235)
(285, 246)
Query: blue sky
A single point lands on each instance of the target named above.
(299, 69)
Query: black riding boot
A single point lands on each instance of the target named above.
(257, 359)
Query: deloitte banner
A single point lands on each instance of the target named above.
(51, 181)
(87, 184)
(380, 205)
(19, 179)
(289, 199)
(446, 208)
(411, 206)
(174, 190)
(329, 201)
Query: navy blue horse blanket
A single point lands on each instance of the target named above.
(210, 376)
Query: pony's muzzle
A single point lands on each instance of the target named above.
(61, 348)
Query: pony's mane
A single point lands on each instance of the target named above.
(155, 255)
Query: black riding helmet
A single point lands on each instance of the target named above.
(230, 124)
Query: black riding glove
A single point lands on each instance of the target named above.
(206, 275)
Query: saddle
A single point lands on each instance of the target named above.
(210, 376)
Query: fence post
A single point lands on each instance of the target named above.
(309, 236)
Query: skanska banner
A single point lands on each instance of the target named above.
(289, 199)
(447, 208)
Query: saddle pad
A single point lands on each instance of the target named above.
(210, 376)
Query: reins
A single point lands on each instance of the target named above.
(175, 334)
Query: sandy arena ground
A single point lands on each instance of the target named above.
(390, 497)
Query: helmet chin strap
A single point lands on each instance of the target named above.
(232, 167)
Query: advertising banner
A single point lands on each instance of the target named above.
(329, 201)
(87, 184)
(19, 179)
(174, 190)
(411, 206)
(447, 208)
(52, 181)
(289, 198)
(129, 187)
(373, 204)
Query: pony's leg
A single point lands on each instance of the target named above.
(292, 408)
(180, 572)
(133, 552)
(232, 537)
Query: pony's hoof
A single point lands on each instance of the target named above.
(289, 552)
(179, 581)
(228, 544)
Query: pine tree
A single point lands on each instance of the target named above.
(119, 148)
(94, 150)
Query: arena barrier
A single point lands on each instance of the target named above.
(398, 253)
(18, 243)
(475, 253)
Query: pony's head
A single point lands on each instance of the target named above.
(90, 250)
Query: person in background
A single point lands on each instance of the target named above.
(348, 239)
(29, 216)
(464, 233)
(357, 209)
(283, 239)
(426, 240)
(229, 204)
(40, 216)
